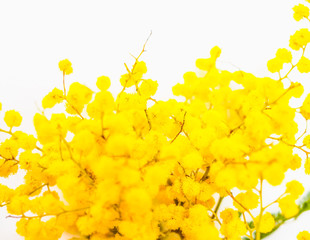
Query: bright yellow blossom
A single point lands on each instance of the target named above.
(300, 12)
(267, 222)
(303, 65)
(299, 39)
(288, 206)
(249, 200)
(148, 88)
(274, 65)
(304, 235)
(103, 83)
(54, 97)
(284, 54)
(12, 118)
(295, 162)
(78, 96)
(294, 188)
(215, 52)
(65, 66)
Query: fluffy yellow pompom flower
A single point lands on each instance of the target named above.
(65, 66)
(215, 52)
(12, 118)
(25, 141)
(274, 65)
(198, 214)
(248, 199)
(228, 215)
(295, 188)
(288, 206)
(8, 149)
(295, 162)
(303, 65)
(103, 103)
(140, 67)
(299, 39)
(205, 64)
(284, 54)
(209, 63)
(46, 132)
(77, 97)
(83, 142)
(300, 12)
(18, 205)
(267, 223)
(86, 225)
(192, 161)
(51, 99)
(233, 229)
(103, 83)
(190, 187)
(135, 76)
(296, 90)
(274, 174)
(137, 201)
(5, 194)
(148, 87)
(304, 235)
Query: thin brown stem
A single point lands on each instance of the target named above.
(74, 108)
(181, 129)
(46, 215)
(247, 210)
(38, 188)
(218, 204)
(4, 131)
(305, 131)
(75, 161)
(291, 145)
(275, 201)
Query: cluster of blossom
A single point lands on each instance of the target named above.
(138, 168)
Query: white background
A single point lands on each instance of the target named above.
(97, 37)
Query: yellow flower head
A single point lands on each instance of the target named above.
(51, 99)
(267, 223)
(288, 206)
(284, 54)
(103, 83)
(249, 200)
(12, 118)
(274, 65)
(300, 12)
(299, 39)
(215, 52)
(304, 235)
(303, 65)
(295, 188)
(65, 66)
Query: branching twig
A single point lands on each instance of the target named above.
(181, 130)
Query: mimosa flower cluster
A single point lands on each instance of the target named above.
(137, 168)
